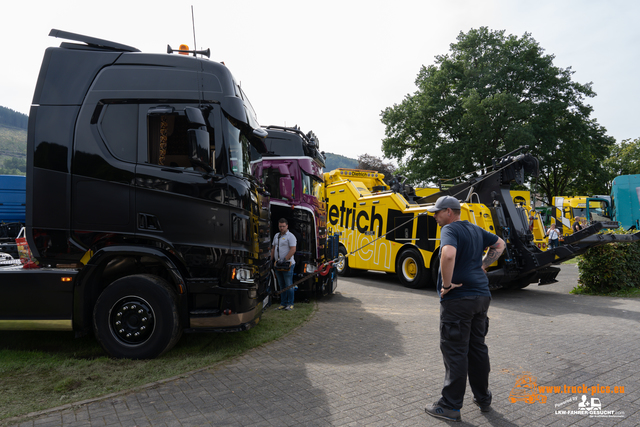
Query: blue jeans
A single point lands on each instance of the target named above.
(285, 279)
(553, 243)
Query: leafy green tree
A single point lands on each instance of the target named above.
(489, 95)
(625, 158)
(13, 166)
(12, 118)
(369, 162)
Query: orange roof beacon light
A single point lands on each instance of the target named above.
(184, 50)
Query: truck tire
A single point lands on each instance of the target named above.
(272, 288)
(333, 284)
(411, 270)
(343, 263)
(328, 285)
(136, 317)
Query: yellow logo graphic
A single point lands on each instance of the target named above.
(526, 389)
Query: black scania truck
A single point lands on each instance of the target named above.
(142, 212)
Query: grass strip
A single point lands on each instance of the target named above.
(624, 293)
(45, 369)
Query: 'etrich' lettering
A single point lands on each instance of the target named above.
(353, 219)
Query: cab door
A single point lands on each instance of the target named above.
(177, 200)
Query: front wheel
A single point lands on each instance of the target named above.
(136, 317)
(411, 271)
(343, 263)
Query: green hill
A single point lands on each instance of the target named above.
(13, 146)
(13, 142)
(335, 161)
(11, 118)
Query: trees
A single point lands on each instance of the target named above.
(491, 94)
(369, 162)
(13, 166)
(625, 158)
(12, 118)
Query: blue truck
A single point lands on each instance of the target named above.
(12, 198)
(625, 195)
(12, 213)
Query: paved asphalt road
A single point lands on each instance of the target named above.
(370, 357)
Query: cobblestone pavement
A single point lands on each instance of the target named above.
(370, 357)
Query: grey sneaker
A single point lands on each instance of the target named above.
(289, 307)
(282, 307)
(438, 411)
(483, 407)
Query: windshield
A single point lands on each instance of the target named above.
(599, 214)
(596, 213)
(579, 212)
(311, 185)
(239, 148)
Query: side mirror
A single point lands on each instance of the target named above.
(285, 188)
(260, 133)
(199, 148)
(194, 115)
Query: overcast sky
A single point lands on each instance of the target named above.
(333, 66)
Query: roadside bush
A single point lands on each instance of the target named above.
(610, 268)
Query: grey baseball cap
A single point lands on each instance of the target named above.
(444, 202)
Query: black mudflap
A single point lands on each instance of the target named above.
(548, 275)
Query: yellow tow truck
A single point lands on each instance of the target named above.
(381, 230)
(387, 228)
(567, 208)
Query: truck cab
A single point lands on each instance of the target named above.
(139, 193)
(596, 209)
(625, 195)
(292, 172)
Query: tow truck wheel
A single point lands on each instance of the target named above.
(343, 263)
(136, 317)
(411, 271)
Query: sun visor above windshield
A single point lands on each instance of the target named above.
(310, 167)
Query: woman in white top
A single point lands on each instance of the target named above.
(553, 234)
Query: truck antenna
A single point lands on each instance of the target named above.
(183, 48)
(193, 23)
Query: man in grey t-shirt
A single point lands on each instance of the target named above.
(283, 248)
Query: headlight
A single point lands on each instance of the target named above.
(244, 275)
(241, 274)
